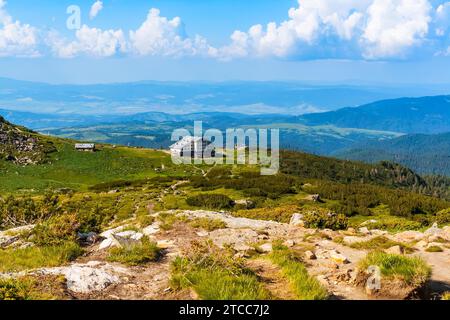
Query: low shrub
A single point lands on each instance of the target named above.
(56, 230)
(144, 252)
(443, 217)
(32, 288)
(15, 260)
(210, 201)
(280, 214)
(208, 224)
(321, 218)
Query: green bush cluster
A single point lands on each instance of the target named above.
(15, 211)
(210, 201)
(324, 219)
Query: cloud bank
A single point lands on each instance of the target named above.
(314, 29)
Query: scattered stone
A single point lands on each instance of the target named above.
(297, 220)
(338, 257)
(289, 243)
(203, 233)
(309, 255)
(151, 230)
(377, 232)
(351, 230)
(266, 247)
(132, 235)
(409, 236)
(394, 250)
(88, 238)
(421, 244)
(352, 239)
(6, 241)
(165, 244)
(109, 233)
(109, 243)
(433, 231)
(364, 230)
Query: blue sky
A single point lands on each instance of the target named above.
(383, 41)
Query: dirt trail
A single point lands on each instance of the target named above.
(272, 278)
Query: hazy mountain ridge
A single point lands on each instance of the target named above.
(407, 115)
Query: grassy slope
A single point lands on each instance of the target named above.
(78, 170)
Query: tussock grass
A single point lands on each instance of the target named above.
(412, 270)
(208, 224)
(137, 254)
(304, 286)
(378, 243)
(434, 249)
(29, 288)
(216, 275)
(14, 260)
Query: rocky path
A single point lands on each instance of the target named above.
(329, 260)
(272, 278)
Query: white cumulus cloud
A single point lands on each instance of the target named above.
(16, 39)
(89, 41)
(95, 9)
(160, 36)
(372, 29)
(394, 26)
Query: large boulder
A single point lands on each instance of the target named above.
(297, 220)
(409, 236)
(86, 278)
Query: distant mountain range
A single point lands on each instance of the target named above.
(407, 115)
(412, 131)
(249, 97)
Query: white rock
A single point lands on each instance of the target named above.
(364, 230)
(151, 230)
(164, 244)
(109, 243)
(243, 247)
(266, 247)
(109, 233)
(378, 232)
(394, 250)
(297, 220)
(338, 257)
(433, 231)
(289, 243)
(408, 236)
(352, 239)
(203, 233)
(86, 278)
(309, 255)
(421, 244)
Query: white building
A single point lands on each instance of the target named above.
(195, 146)
(85, 147)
